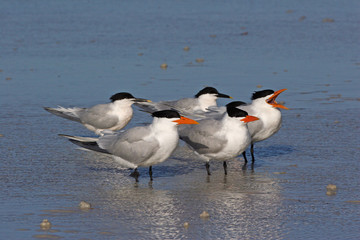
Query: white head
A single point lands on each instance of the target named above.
(207, 97)
(126, 98)
(267, 98)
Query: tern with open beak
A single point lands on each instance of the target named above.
(265, 107)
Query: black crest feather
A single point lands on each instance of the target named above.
(121, 95)
(261, 94)
(166, 114)
(235, 112)
(206, 90)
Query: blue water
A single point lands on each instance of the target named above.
(79, 53)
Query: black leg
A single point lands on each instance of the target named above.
(252, 152)
(135, 174)
(150, 173)
(244, 167)
(225, 167)
(207, 165)
(244, 155)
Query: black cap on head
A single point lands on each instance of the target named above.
(261, 94)
(235, 104)
(211, 90)
(206, 90)
(166, 114)
(121, 95)
(235, 112)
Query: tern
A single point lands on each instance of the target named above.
(109, 116)
(142, 146)
(204, 99)
(219, 139)
(265, 107)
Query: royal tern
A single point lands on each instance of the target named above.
(109, 116)
(219, 139)
(264, 107)
(141, 146)
(204, 99)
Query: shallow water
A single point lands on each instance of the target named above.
(80, 53)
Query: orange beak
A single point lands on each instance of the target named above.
(249, 118)
(184, 120)
(272, 101)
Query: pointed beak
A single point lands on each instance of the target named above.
(249, 118)
(184, 120)
(141, 100)
(221, 95)
(272, 101)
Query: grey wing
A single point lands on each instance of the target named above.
(133, 145)
(68, 113)
(99, 116)
(151, 107)
(185, 104)
(202, 137)
(186, 107)
(213, 112)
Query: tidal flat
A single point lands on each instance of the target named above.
(79, 53)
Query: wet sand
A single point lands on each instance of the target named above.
(80, 53)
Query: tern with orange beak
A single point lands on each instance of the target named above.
(141, 146)
(219, 139)
(265, 107)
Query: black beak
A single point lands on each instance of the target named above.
(221, 95)
(141, 100)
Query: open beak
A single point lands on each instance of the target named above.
(272, 101)
(221, 95)
(184, 120)
(249, 118)
(141, 100)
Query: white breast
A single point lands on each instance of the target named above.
(124, 112)
(167, 136)
(268, 125)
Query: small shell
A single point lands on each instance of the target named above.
(45, 224)
(331, 187)
(164, 66)
(84, 205)
(328, 20)
(204, 214)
